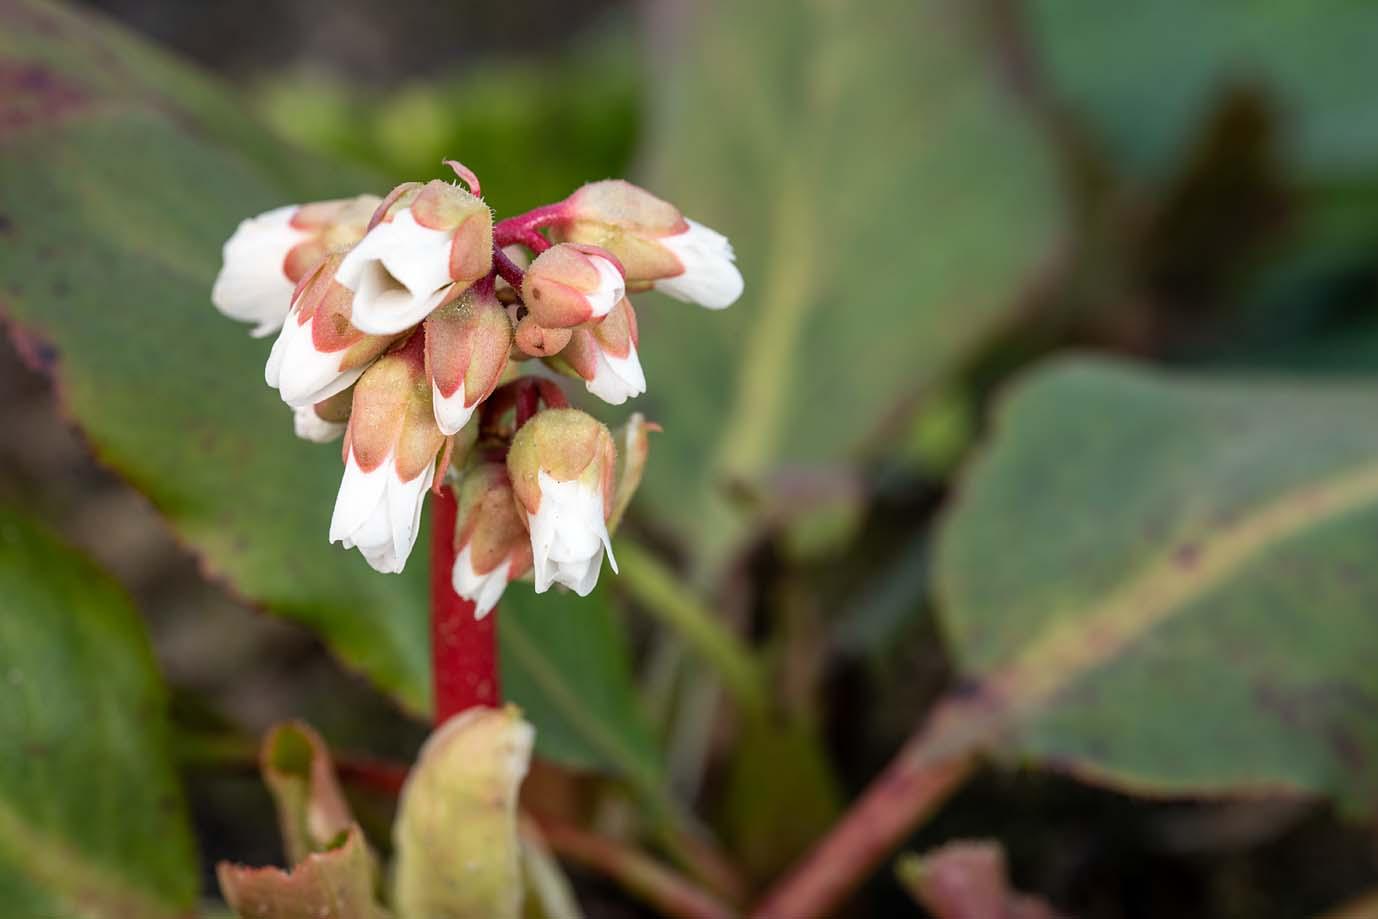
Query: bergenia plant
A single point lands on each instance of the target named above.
(430, 337)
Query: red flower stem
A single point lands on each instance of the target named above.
(464, 650)
(509, 270)
(927, 770)
(524, 229)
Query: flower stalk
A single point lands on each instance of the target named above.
(464, 649)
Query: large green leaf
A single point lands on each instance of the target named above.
(121, 173)
(92, 821)
(888, 200)
(1168, 583)
(1146, 75)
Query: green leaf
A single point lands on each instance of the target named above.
(121, 175)
(92, 821)
(565, 662)
(458, 855)
(1166, 582)
(889, 201)
(1147, 75)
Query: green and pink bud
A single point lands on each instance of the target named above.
(468, 341)
(390, 451)
(426, 242)
(657, 246)
(491, 544)
(561, 466)
(269, 254)
(320, 352)
(570, 284)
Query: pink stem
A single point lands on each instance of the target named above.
(508, 269)
(524, 229)
(464, 650)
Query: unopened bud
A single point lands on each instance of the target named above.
(319, 351)
(657, 246)
(390, 449)
(561, 465)
(568, 285)
(535, 340)
(467, 344)
(270, 253)
(427, 238)
(604, 355)
(491, 544)
(633, 448)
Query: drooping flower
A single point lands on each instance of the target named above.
(319, 351)
(657, 245)
(569, 284)
(467, 345)
(604, 356)
(270, 253)
(426, 239)
(491, 544)
(324, 421)
(390, 451)
(561, 466)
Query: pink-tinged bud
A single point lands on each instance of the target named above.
(427, 238)
(467, 344)
(319, 351)
(491, 544)
(568, 285)
(561, 465)
(270, 253)
(324, 421)
(604, 356)
(534, 340)
(657, 246)
(390, 450)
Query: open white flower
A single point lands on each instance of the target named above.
(430, 238)
(710, 277)
(253, 285)
(492, 548)
(561, 466)
(604, 355)
(270, 253)
(390, 450)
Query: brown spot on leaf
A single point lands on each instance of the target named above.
(31, 94)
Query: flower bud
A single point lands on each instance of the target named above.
(390, 449)
(467, 344)
(270, 253)
(561, 466)
(633, 447)
(657, 246)
(427, 238)
(319, 351)
(568, 285)
(491, 544)
(535, 340)
(604, 356)
(324, 421)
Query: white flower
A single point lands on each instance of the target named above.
(616, 379)
(483, 590)
(302, 374)
(399, 273)
(311, 426)
(568, 535)
(612, 287)
(253, 285)
(710, 277)
(378, 513)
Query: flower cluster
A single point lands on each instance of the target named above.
(403, 323)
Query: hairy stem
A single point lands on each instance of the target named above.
(658, 591)
(464, 650)
(524, 229)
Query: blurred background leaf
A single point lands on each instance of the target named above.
(92, 821)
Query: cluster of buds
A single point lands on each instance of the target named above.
(403, 324)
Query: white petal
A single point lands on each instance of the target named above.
(360, 498)
(405, 500)
(612, 287)
(252, 286)
(484, 590)
(303, 375)
(450, 411)
(379, 514)
(710, 276)
(398, 273)
(310, 426)
(617, 379)
(568, 535)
